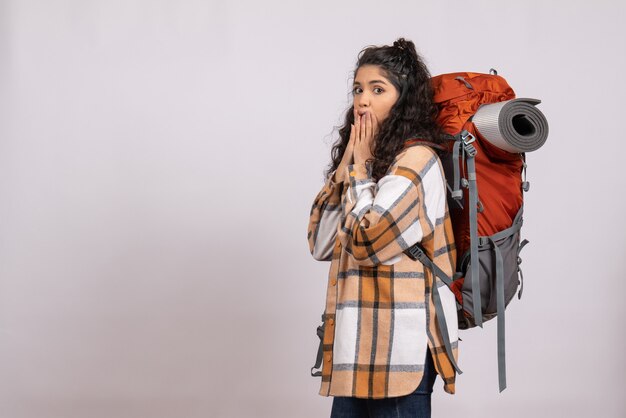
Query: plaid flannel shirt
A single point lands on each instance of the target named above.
(380, 316)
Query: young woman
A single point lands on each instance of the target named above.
(385, 191)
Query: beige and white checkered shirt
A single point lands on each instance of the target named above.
(380, 315)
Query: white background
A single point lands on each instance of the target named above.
(158, 161)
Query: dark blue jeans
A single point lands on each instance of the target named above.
(413, 405)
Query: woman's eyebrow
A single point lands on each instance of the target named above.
(371, 82)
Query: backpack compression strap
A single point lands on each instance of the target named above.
(467, 139)
(500, 308)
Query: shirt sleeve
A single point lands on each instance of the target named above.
(324, 220)
(381, 220)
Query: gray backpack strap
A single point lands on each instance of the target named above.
(500, 313)
(318, 359)
(500, 302)
(441, 320)
(417, 253)
(467, 139)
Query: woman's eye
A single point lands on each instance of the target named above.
(356, 90)
(379, 90)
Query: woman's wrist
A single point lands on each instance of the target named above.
(338, 175)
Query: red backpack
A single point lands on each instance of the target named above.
(489, 132)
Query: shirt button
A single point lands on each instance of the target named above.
(331, 322)
(328, 356)
(353, 173)
(333, 282)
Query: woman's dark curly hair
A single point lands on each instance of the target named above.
(412, 116)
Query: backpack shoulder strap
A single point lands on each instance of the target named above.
(416, 252)
(418, 141)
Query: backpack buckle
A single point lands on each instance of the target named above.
(467, 137)
(415, 252)
(471, 151)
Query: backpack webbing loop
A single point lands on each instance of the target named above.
(519, 261)
(467, 84)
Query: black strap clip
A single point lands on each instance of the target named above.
(416, 252)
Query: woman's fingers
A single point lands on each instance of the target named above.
(375, 125)
(351, 142)
(358, 130)
(368, 127)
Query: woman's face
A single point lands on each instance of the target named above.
(373, 92)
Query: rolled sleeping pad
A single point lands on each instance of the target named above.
(513, 125)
